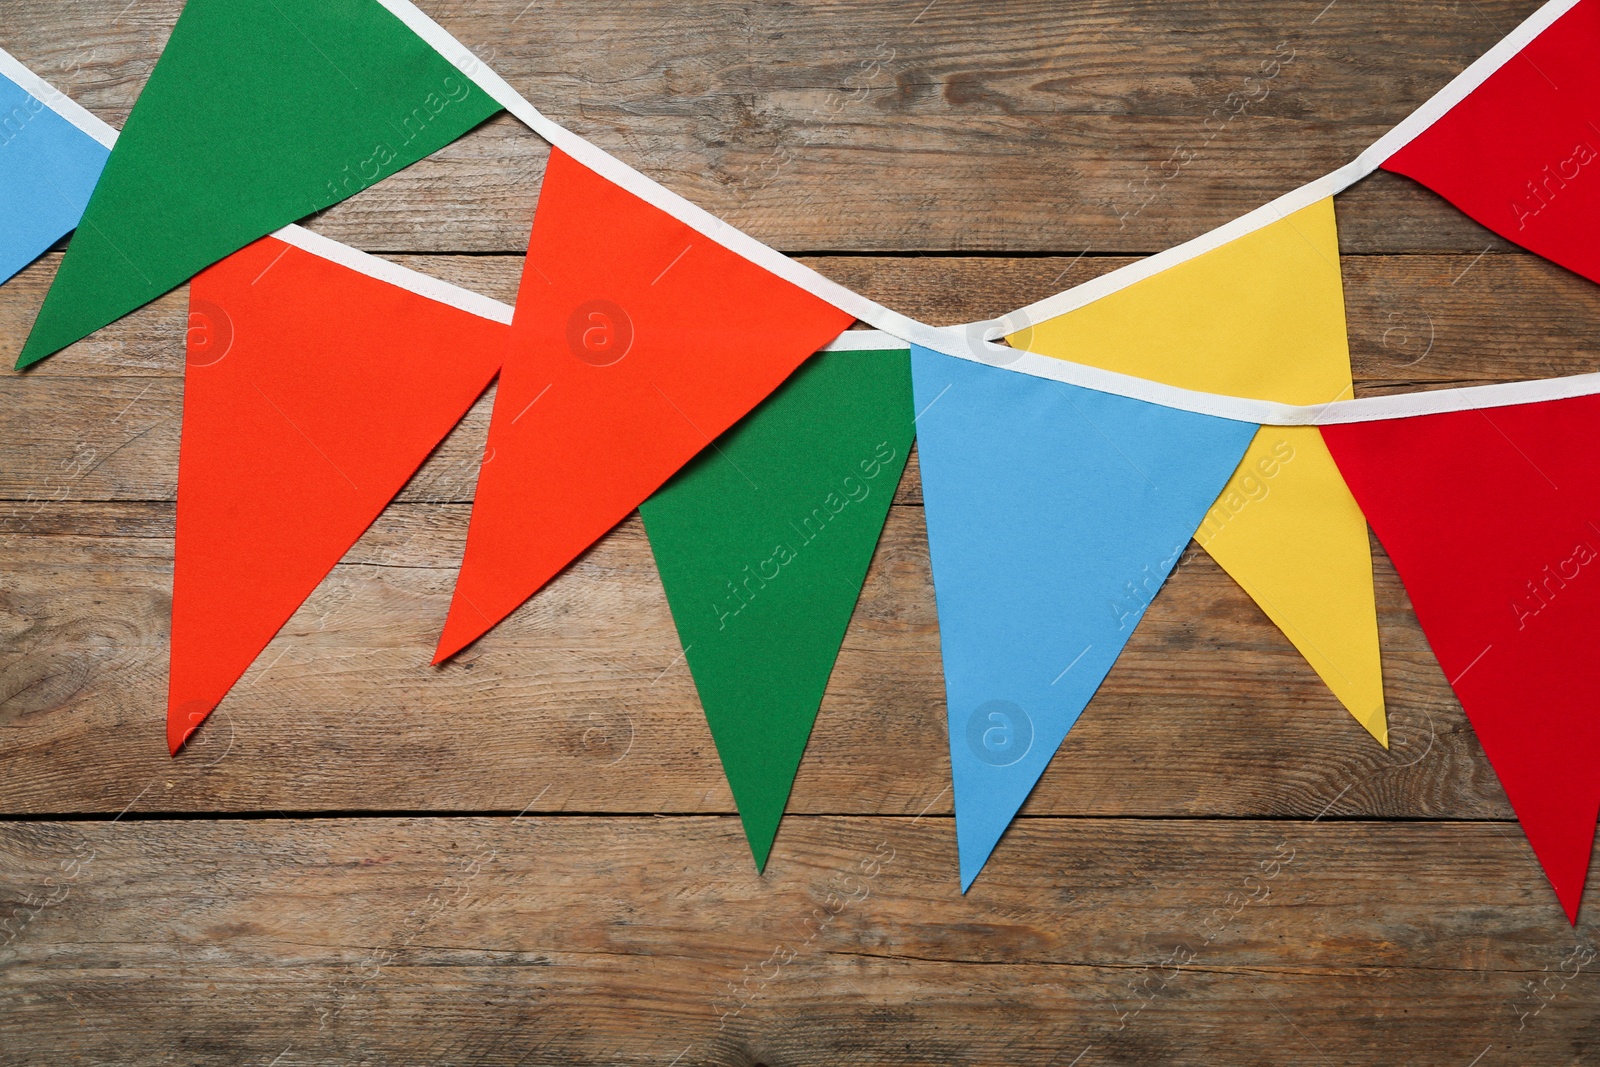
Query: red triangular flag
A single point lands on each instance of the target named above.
(1521, 153)
(1490, 517)
(312, 393)
(637, 341)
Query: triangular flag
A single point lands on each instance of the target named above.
(1054, 515)
(763, 543)
(48, 168)
(312, 393)
(257, 114)
(1521, 152)
(1492, 518)
(637, 342)
(1263, 317)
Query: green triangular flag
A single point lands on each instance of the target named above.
(763, 543)
(259, 112)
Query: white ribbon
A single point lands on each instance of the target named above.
(973, 341)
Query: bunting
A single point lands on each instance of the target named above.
(256, 115)
(1261, 316)
(1492, 518)
(1054, 516)
(1177, 397)
(1521, 152)
(763, 542)
(636, 343)
(313, 391)
(48, 165)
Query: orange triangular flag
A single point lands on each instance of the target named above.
(637, 341)
(313, 392)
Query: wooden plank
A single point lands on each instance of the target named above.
(1218, 867)
(652, 940)
(1210, 711)
(863, 126)
(100, 421)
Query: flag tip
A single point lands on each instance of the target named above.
(178, 735)
(447, 648)
(1379, 729)
(459, 632)
(1571, 899)
(760, 831)
(450, 642)
(184, 718)
(1375, 721)
(34, 350)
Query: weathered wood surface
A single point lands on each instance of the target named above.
(1210, 711)
(342, 878)
(904, 126)
(105, 426)
(586, 940)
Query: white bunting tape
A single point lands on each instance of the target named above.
(388, 271)
(975, 341)
(301, 238)
(865, 341)
(56, 100)
(895, 331)
(1266, 412)
(1366, 409)
(1294, 200)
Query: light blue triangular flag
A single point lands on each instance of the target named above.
(1054, 514)
(48, 165)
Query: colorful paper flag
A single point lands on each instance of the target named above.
(48, 168)
(762, 543)
(312, 393)
(637, 342)
(1055, 513)
(1521, 153)
(257, 114)
(1490, 517)
(1262, 317)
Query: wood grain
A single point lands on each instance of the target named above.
(529, 856)
(100, 421)
(864, 126)
(1210, 711)
(651, 940)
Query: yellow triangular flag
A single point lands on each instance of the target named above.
(1262, 317)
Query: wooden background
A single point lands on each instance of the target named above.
(530, 857)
